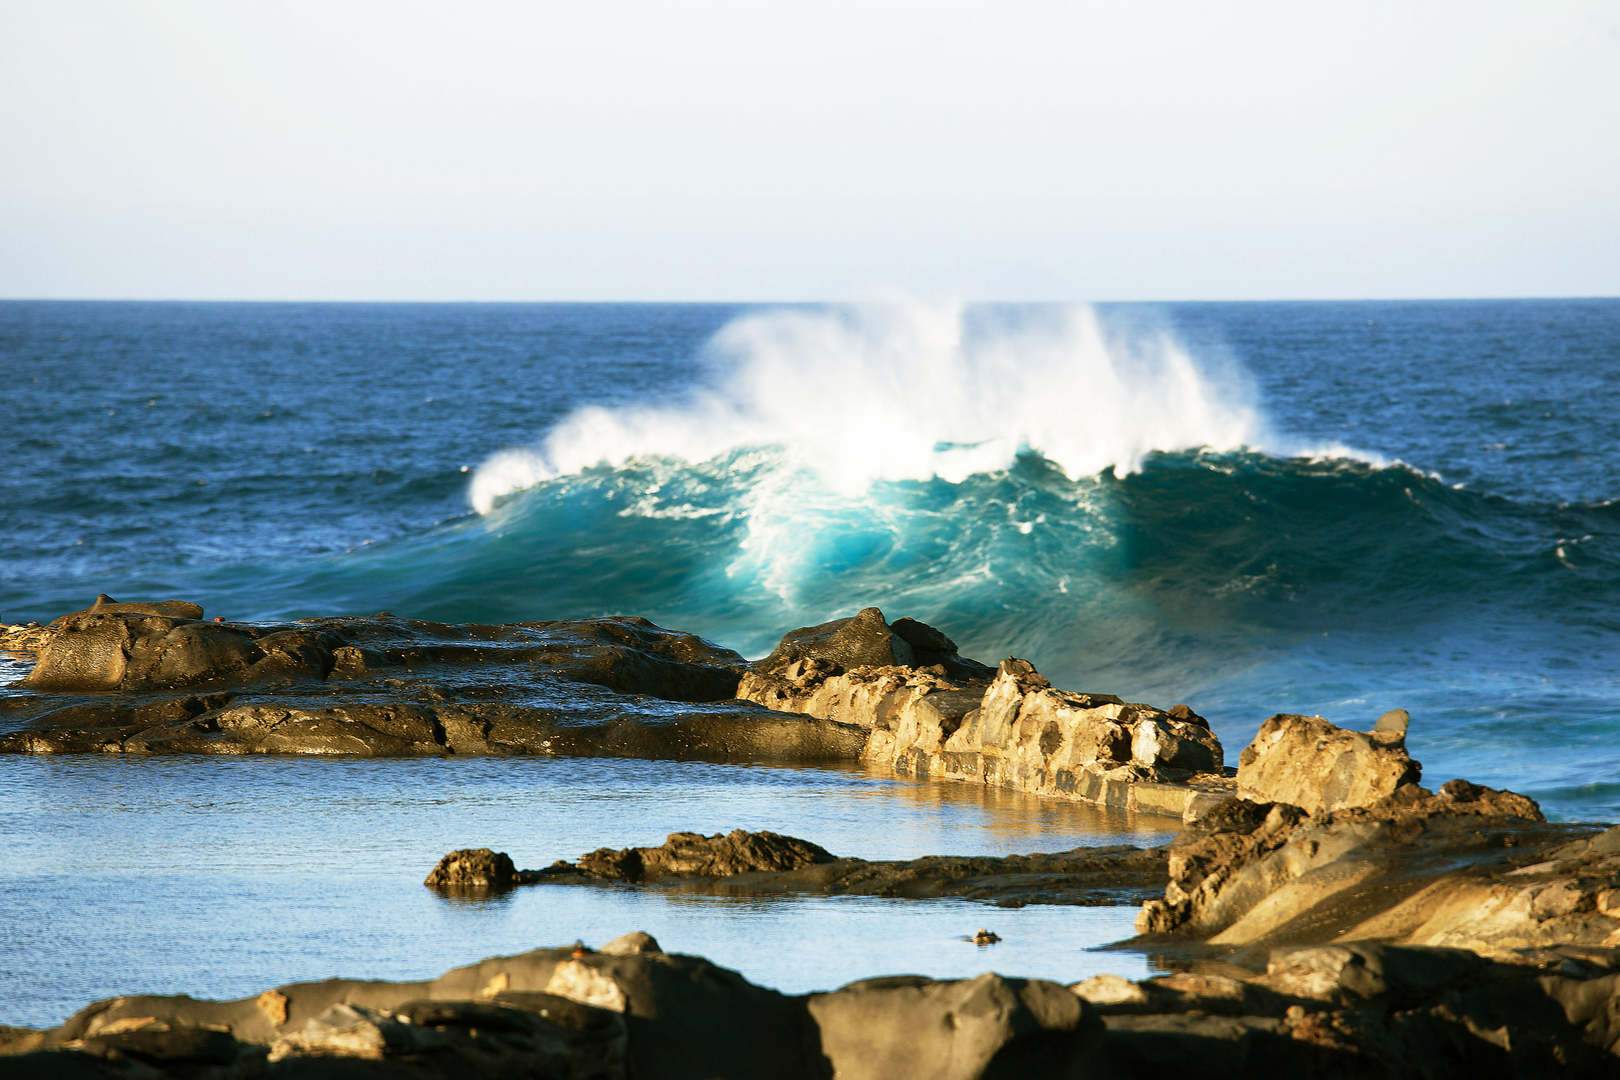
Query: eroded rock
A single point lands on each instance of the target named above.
(688, 854)
(1346, 1010)
(1316, 765)
(1014, 730)
(1468, 866)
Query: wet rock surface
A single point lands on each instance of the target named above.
(689, 854)
(1356, 1010)
(765, 864)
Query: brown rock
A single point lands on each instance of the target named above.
(1320, 767)
(473, 868)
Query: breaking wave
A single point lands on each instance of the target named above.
(857, 395)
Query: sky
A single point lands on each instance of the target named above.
(808, 151)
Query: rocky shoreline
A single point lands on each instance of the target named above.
(156, 678)
(1324, 914)
(629, 1009)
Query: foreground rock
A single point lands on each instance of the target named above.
(1468, 866)
(1010, 728)
(631, 1010)
(764, 864)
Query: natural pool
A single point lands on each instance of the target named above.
(219, 877)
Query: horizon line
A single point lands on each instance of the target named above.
(700, 302)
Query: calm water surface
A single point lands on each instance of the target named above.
(220, 877)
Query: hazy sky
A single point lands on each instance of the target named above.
(605, 150)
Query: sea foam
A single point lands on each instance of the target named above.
(910, 391)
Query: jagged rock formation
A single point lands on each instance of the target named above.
(953, 720)
(753, 864)
(1365, 1010)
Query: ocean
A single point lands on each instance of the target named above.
(1334, 508)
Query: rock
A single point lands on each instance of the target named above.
(473, 868)
(686, 854)
(1310, 763)
(865, 639)
(1109, 990)
(1392, 725)
(909, 1026)
(169, 609)
(1360, 1009)
(622, 686)
(354, 1031)
(1015, 731)
(1468, 867)
(981, 936)
(634, 943)
(24, 637)
(381, 686)
(768, 864)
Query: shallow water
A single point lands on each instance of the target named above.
(220, 877)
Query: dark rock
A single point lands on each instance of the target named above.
(473, 868)
(767, 864)
(687, 854)
(1357, 1009)
(865, 639)
(382, 686)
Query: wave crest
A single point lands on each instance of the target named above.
(860, 394)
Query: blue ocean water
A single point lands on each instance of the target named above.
(1318, 507)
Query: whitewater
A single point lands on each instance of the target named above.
(910, 391)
